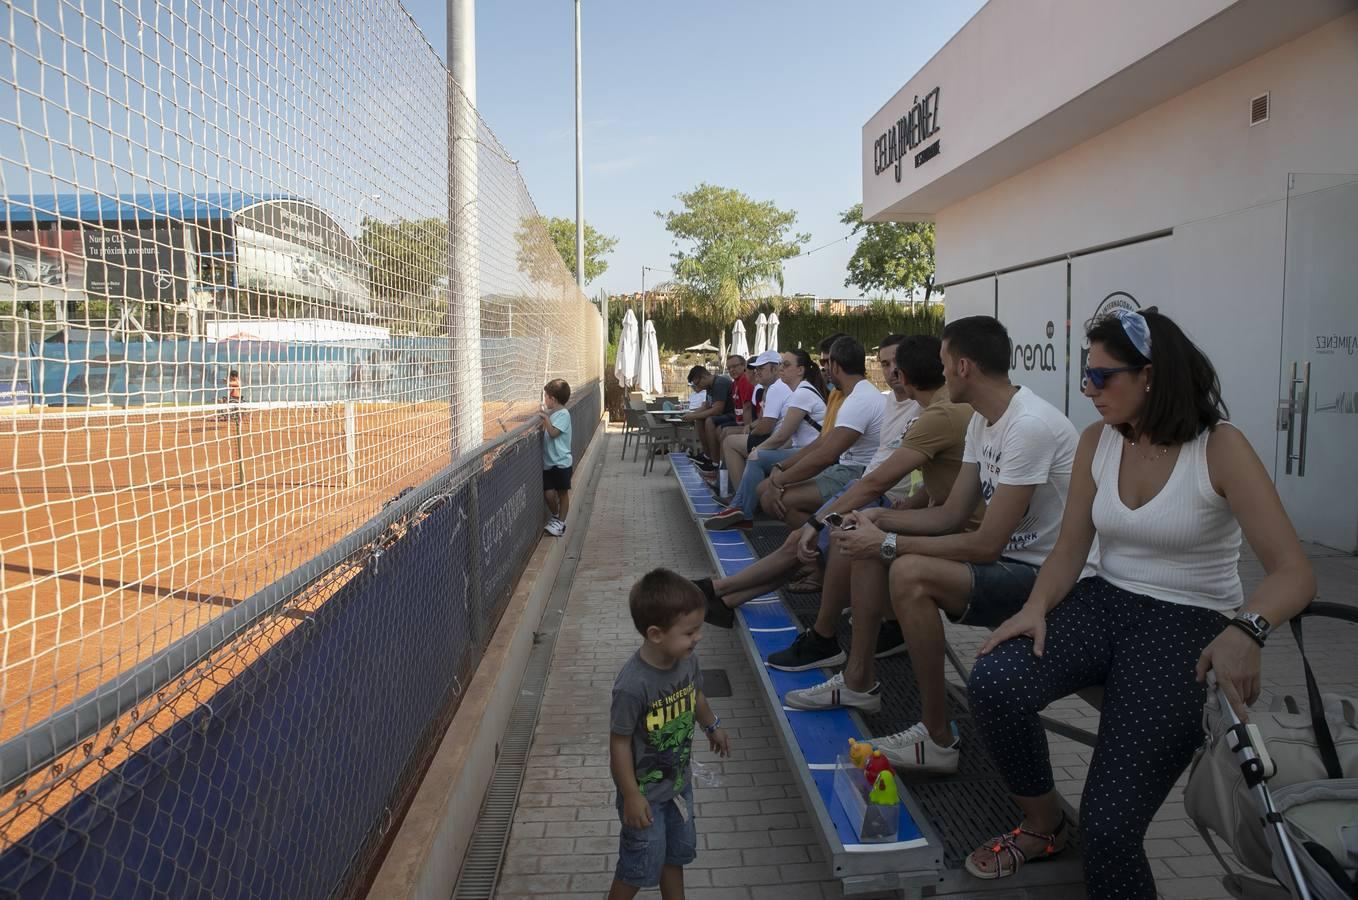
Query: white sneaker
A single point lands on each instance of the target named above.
(833, 694)
(555, 528)
(913, 750)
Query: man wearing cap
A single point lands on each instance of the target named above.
(718, 391)
(736, 446)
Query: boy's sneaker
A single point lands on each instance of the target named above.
(730, 517)
(890, 640)
(808, 651)
(555, 527)
(913, 750)
(833, 694)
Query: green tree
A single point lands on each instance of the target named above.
(735, 243)
(406, 262)
(891, 256)
(597, 246)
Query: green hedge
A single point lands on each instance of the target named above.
(797, 326)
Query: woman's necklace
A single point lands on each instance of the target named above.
(1155, 454)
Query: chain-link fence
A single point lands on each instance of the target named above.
(275, 312)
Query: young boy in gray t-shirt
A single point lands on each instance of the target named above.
(657, 698)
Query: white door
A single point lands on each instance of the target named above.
(1318, 410)
(1032, 306)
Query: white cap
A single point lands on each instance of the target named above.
(768, 356)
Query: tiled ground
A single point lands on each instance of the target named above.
(754, 834)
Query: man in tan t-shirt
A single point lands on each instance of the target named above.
(932, 444)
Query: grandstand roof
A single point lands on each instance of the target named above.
(126, 207)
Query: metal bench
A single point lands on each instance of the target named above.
(943, 818)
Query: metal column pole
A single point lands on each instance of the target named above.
(579, 161)
(464, 296)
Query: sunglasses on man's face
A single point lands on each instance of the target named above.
(1098, 376)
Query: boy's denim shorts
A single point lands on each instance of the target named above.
(671, 840)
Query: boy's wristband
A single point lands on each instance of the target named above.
(716, 723)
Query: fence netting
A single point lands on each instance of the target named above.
(276, 310)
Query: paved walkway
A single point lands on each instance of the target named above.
(754, 834)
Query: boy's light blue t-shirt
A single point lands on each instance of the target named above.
(556, 451)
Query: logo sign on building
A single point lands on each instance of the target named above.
(136, 263)
(898, 142)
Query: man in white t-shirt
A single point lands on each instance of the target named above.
(736, 447)
(1018, 458)
(828, 464)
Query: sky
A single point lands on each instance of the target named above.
(765, 96)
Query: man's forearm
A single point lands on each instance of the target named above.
(930, 521)
(967, 546)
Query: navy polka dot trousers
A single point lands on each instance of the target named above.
(1143, 652)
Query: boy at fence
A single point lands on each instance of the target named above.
(657, 698)
(557, 463)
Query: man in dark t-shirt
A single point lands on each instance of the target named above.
(718, 403)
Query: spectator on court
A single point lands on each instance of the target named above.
(657, 700)
(557, 462)
(736, 447)
(929, 442)
(840, 454)
(1018, 454)
(717, 390)
(1165, 485)
(234, 394)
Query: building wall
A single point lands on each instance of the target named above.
(1191, 165)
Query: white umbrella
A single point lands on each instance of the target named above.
(761, 334)
(773, 332)
(649, 374)
(627, 351)
(738, 345)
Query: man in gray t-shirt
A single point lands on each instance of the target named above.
(656, 707)
(713, 415)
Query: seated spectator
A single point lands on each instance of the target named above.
(1164, 485)
(742, 391)
(716, 403)
(827, 465)
(736, 447)
(836, 396)
(1018, 454)
(930, 443)
(797, 422)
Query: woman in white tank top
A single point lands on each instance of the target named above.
(1166, 486)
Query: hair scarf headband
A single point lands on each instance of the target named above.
(1137, 330)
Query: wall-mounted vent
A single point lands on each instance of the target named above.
(1259, 110)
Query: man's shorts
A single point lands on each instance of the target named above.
(836, 478)
(823, 539)
(725, 420)
(671, 840)
(557, 478)
(754, 440)
(998, 591)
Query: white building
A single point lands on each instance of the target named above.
(1198, 156)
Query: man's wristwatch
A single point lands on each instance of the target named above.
(716, 723)
(1253, 624)
(816, 524)
(888, 548)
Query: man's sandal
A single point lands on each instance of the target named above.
(1008, 844)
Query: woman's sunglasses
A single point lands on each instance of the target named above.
(1098, 377)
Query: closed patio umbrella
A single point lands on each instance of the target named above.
(626, 367)
(648, 378)
(739, 347)
(761, 334)
(773, 332)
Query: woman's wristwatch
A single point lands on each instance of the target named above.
(1253, 624)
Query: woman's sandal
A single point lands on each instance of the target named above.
(1008, 843)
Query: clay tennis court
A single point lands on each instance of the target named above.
(120, 532)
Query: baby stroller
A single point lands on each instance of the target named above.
(1283, 790)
